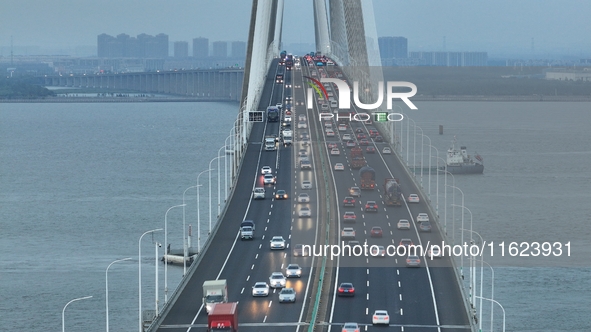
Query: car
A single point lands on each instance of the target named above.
(403, 224)
(359, 131)
(378, 251)
(304, 212)
(246, 233)
(266, 170)
(279, 105)
(376, 231)
(302, 153)
(324, 107)
(349, 201)
(387, 150)
(405, 242)
(342, 127)
(380, 317)
(422, 217)
(277, 242)
(303, 198)
(306, 184)
(339, 167)
(258, 193)
(378, 138)
(349, 216)
(371, 206)
(288, 99)
(363, 142)
(332, 145)
(353, 243)
(247, 223)
(346, 137)
(370, 149)
(260, 288)
(287, 295)
(413, 198)
(329, 133)
(346, 289)
(361, 136)
(413, 261)
(287, 118)
(348, 233)
(293, 270)
(269, 179)
(425, 226)
(302, 117)
(301, 250)
(304, 134)
(350, 144)
(277, 280)
(350, 327)
(335, 152)
(302, 125)
(355, 191)
(305, 164)
(373, 133)
(434, 252)
(280, 194)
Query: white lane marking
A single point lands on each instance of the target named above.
(367, 297)
(242, 291)
(264, 319)
(248, 277)
(397, 271)
(252, 267)
(270, 304)
(367, 271)
(260, 245)
(399, 284)
(367, 283)
(400, 297)
(257, 256)
(401, 312)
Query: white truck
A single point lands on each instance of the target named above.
(246, 233)
(287, 137)
(214, 292)
(270, 143)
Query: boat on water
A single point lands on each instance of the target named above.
(458, 162)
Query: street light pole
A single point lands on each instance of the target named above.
(184, 234)
(492, 293)
(429, 186)
(219, 178)
(445, 200)
(210, 169)
(107, 289)
(436, 179)
(140, 275)
(199, 213)
(166, 251)
(64, 311)
(474, 263)
(462, 239)
(499, 306)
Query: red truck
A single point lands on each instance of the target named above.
(357, 160)
(223, 317)
(368, 178)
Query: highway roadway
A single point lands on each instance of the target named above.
(417, 299)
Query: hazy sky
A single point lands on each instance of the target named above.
(496, 26)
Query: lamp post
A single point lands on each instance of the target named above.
(493, 301)
(436, 178)
(210, 169)
(64, 311)
(219, 178)
(414, 142)
(462, 240)
(107, 289)
(474, 263)
(140, 275)
(166, 251)
(184, 234)
(470, 261)
(199, 213)
(429, 186)
(445, 200)
(226, 162)
(492, 294)
(422, 144)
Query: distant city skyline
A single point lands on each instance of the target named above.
(528, 28)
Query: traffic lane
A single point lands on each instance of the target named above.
(351, 308)
(447, 293)
(417, 301)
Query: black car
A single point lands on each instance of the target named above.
(371, 206)
(346, 289)
(349, 201)
(378, 138)
(425, 226)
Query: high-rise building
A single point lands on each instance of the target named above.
(181, 49)
(125, 46)
(200, 47)
(393, 47)
(238, 49)
(220, 49)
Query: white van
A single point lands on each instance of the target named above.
(333, 104)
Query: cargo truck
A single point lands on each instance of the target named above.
(368, 178)
(272, 114)
(223, 317)
(393, 195)
(286, 137)
(357, 160)
(214, 292)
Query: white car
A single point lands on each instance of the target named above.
(258, 193)
(306, 184)
(434, 252)
(287, 118)
(413, 198)
(304, 212)
(346, 137)
(269, 179)
(302, 117)
(329, 133)
(387, 150)
(287, 295)
(339, 167)
(303, 198)
(335, 152)
(348, 233)
(350, 327)
(293, 270)
(302, 125)
(260, 289)
(422, 217)
(277, 280)
(403, 224)
(266, 170)
(342, 127)
(277, 242)
(380, 317)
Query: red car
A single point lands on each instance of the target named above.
(332, 145)
(371, 206)
(349, 216)
(376, 231)
(349, 201)
(364, 142)
(361, 136)
(370, 149)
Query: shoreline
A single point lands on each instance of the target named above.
(538, 98)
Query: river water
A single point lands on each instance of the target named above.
(81, 182)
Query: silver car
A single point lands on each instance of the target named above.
(306, 184)
(422, 217)
(350, 327)
(403, 224)
(303, 198)
(277, 280)
(260, 289)
(293, 270)
(277, 242)
(287, 295)
(305, 212)
(413, 261)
